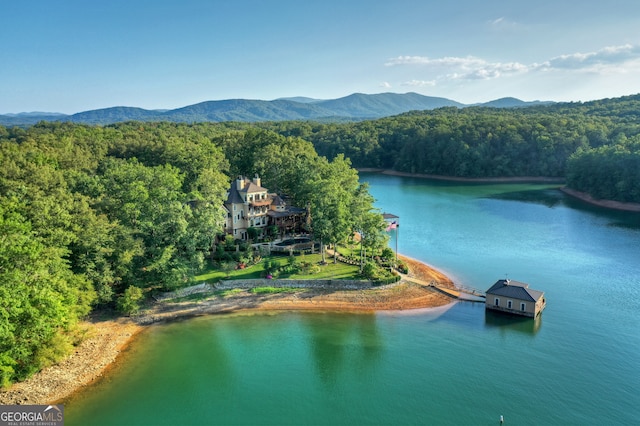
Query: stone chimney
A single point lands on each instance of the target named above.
(239, 183)
(257, 180)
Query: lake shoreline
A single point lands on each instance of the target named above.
(583, 196)
(518, 179)
(609, 204)
(107, 339)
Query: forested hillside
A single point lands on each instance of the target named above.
(99, 216)
(489, 142)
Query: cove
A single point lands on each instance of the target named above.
(576, 364)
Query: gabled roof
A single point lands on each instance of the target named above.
(514, 290)
(248, 187)
(277, 200)
(251, 188)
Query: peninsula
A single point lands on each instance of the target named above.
(106, 339)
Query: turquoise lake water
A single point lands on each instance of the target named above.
(579, 363)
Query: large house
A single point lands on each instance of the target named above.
(516, 298)
(249, 205)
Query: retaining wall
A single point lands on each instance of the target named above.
(325, 284)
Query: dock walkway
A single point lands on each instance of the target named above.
(460, 292)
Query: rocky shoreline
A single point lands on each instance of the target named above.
(106, 339)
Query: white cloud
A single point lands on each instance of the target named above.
(419, 83)
(594, 61)
(448, 61)
(608, 60)
(385, 84)
(456, 68)
(503, 24)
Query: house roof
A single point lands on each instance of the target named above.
(251, 188)
(291, 211)
(277, 200)
(514, 290)
(234, 196)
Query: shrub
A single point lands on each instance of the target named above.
(290, 269)
(387, 280)
(369, 271)
(387, 253)
(402, 267)
(229, 242)
(269, 266)
(227, 267)
(129, 302)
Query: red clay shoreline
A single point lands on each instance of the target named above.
(107, 339)
(609, 204)
(519, 179)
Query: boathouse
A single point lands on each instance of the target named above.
(516, 298)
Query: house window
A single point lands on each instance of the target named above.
(509, 304)
(234, 207)
(523, 306)
(497, 302)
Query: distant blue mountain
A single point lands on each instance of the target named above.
(115, 115)
(513, 103)
(301, 99)
(357, 106)
(35, 114)
(27, 118)
(361, 106)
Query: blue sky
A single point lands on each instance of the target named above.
(75, 55)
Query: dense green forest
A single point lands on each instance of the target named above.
(97, 216)
(92, 215)
(543, 141)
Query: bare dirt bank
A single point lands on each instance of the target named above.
(519, 179)
(617, 205)
(107, 339)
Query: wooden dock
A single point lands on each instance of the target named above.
(466, 293)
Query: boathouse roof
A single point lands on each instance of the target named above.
(514, 290)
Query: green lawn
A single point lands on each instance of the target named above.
(328, 271)
(338, 271)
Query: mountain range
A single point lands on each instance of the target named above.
(354, 107)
